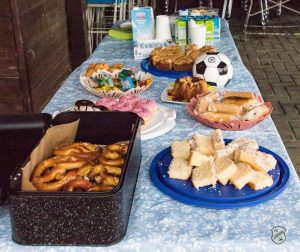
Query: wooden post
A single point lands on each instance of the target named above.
(77, 31)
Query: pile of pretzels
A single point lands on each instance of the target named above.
(81, 167)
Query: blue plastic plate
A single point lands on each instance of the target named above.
(147, 67)
(220, 197)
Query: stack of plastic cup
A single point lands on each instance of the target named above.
(197, 33)
(162, 30)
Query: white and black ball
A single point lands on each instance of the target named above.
(213, 67)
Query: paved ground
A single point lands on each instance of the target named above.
(274, 62)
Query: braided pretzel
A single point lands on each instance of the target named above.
(76, 148)
(100, 188)
(78, 183)
(110, 180)
(108, 154)
(117, 162)
(56, 172)
(57, 185)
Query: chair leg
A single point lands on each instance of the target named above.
(224, 8)
(263, 21)
(229, 8)
(279, 8)
(248, 14)
(124, 10)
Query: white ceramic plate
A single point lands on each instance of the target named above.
(167, 125)
(156, 120)
(162, 121)
(166, 98)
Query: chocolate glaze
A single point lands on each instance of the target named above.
(86, 105)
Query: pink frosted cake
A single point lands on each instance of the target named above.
(131, 103)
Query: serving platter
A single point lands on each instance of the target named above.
(89, 85)
(147, 67)
(167, 98)
(220, 197)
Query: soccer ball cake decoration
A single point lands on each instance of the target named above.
(214, 67)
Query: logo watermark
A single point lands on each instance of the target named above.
(278, 234)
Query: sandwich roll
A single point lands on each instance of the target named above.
(248, 95)
(245, 103)
(225, 108)
(256, 113)
(204, 100)
(219, 117)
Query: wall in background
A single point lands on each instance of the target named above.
(38, 50)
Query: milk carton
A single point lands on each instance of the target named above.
(143, 48)
(217, 28)
(142, 23)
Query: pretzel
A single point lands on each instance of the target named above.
(58, 169)
(117, 162)
(57, 185)
(100, 188)
(113, 170)
(103, 169)
(95, 171)
(79, 166)
(78, 183)
(77, 149)
(110, 180)
(123, 148)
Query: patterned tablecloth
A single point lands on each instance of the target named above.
(159, 223)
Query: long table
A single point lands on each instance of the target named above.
(159, 223)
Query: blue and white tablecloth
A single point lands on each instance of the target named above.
(159, 223)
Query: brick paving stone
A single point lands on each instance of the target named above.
(283, 127)
(295, 126)
(290, 111)
(274, 61)
(294, 92)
